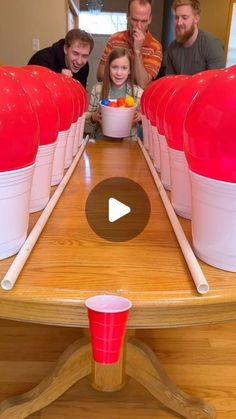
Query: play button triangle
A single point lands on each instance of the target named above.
(117, 210)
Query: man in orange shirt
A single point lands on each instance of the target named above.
(145, 49)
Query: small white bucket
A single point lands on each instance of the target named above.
(41, 186)
(117, 122)
(150, 139)
(15, 188)
(214, 221)
(81, 131)
(165, 162)
(70, 145)
(59, 157)
(145, 131)
(156, 149)
(77, 134)
(181, 198)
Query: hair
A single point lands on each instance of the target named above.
(195, 4)
(114, 54)
(79, 35)
(142, 2)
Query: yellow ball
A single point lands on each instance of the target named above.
(129, 100)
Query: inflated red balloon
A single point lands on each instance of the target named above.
(165, 93)
(144, 97)
(61, 93)
(83, 93)
(178, 105)
(19, 127)
(42, 101)
(76, 98)
(154, 95)
(209, 129)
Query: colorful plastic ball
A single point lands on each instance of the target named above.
(105, 102)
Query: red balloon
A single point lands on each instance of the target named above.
(209, 129)
(165, 93)
(19, 128)
(42, 101)
(178, 105)
(76, 97)
(61, 93)
(83, 93)
(153, 96)
(144, 97)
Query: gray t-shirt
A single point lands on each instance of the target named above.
(205, 53)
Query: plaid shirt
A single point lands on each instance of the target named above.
(94, 105)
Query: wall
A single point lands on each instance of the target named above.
(22, 20)
(214, 17)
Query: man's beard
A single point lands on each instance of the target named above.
(184, 36)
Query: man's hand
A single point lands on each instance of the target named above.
(67, 72)
(138, 40)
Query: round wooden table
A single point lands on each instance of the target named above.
(70, 263)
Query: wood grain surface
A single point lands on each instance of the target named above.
(70, 262)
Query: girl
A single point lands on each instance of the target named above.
(118, 82)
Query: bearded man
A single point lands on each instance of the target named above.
(193, 50)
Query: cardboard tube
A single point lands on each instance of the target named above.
(18, 263)
(199, 279)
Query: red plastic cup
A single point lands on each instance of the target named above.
(107, 315)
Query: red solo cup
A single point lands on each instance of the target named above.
(107, 315)
(108, 345)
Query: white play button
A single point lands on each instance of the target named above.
(117, 210)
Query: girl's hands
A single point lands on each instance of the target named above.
(96, 117)
(137, 117)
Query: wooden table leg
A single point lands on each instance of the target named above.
(143, 365)
(109, 377)
(73, 365)
(137, 361)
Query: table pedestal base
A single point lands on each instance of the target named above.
(137, 361)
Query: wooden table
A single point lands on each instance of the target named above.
(70, 263)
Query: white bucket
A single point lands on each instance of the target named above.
(165, 162)
(150, 139)
(145, 131)
(70, 145)
(77, 134)
(41, 185)
(81, 131)
(117, 122)
(181, 198)
(59, 157)
(15, 187)
(156, 149)
(214, 221)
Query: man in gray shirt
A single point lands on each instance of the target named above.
(192, 50)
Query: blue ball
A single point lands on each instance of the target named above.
(105, 102)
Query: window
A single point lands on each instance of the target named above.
(102, 23)
(231, 56)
